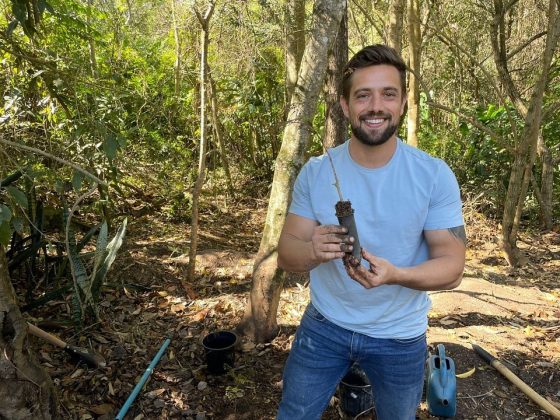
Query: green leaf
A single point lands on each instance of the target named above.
(17, 224)
(101, 246)
(18, 195)
(59, 186)
(5, 213)
(77, 180)
(11, 27)
(111, 254)
(464, 128)
(5, 233)
(110, 146)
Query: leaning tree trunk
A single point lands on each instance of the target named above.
(414, 45)
(336, 127)
(26, 390)
(525, 151)
(205, 25)
(259, 321)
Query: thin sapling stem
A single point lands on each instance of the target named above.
(345, 215)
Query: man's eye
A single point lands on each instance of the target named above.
(362, 96)
(391, 94)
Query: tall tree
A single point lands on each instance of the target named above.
(259, 321)
(204, 41)
(414, 47)
(218, 133)
(395, 24)
(295, 42)
(176, 37)
(336, 127)
(546, 191)
(526, 148)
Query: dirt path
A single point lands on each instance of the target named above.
(514, 314)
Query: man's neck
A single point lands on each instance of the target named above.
(372, 156)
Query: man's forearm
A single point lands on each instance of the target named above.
(441, 273)
(295, 255)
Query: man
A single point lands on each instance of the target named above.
(408, 214)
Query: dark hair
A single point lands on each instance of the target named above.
(372, 55)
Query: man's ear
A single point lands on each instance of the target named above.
(344, 106)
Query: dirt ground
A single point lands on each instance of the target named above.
(512, 313)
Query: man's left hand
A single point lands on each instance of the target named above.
(381, 271)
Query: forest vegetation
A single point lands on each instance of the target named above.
(115, 110)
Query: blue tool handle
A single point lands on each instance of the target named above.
(442, 365)
(142, 380)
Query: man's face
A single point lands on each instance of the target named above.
(375, 104)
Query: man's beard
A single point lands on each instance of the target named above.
(377, 138)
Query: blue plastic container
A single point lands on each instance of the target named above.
(441, 385)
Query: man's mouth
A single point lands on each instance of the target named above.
(373, 122)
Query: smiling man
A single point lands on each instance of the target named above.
(408, 213)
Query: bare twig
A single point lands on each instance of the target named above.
(336, 183)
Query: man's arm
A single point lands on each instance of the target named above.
(442, 271)
(304, 244)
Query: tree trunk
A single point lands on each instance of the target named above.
(259, 321)
(26, 390)
(336, 127)
(91, 45)
(216, 124)
(414, 45)
(395, 24)
(295, 42)
(177, 63)
(205, 25)
(525, 150)
(547, 183)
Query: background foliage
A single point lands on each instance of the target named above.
(94, 82)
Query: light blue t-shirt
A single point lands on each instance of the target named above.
(392, 205)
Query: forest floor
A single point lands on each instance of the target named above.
(512, 313)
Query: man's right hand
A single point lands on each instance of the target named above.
(304, 244)
(330, 242)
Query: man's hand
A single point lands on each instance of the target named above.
(330, 242)
(304, 244)
(381, 271)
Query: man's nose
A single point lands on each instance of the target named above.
(374, 104)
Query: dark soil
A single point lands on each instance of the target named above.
(343, 208)
(512, 313)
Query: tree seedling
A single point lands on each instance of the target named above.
(345, 214)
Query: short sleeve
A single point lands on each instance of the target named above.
(301, 200)
(445, 202)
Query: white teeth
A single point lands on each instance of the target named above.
(376, 121)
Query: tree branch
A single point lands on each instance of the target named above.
(56, 158)
(550, 110)
(526, 43)
(369, 18)
(510, 5)
(499, 140)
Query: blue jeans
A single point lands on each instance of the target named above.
(323, 352)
